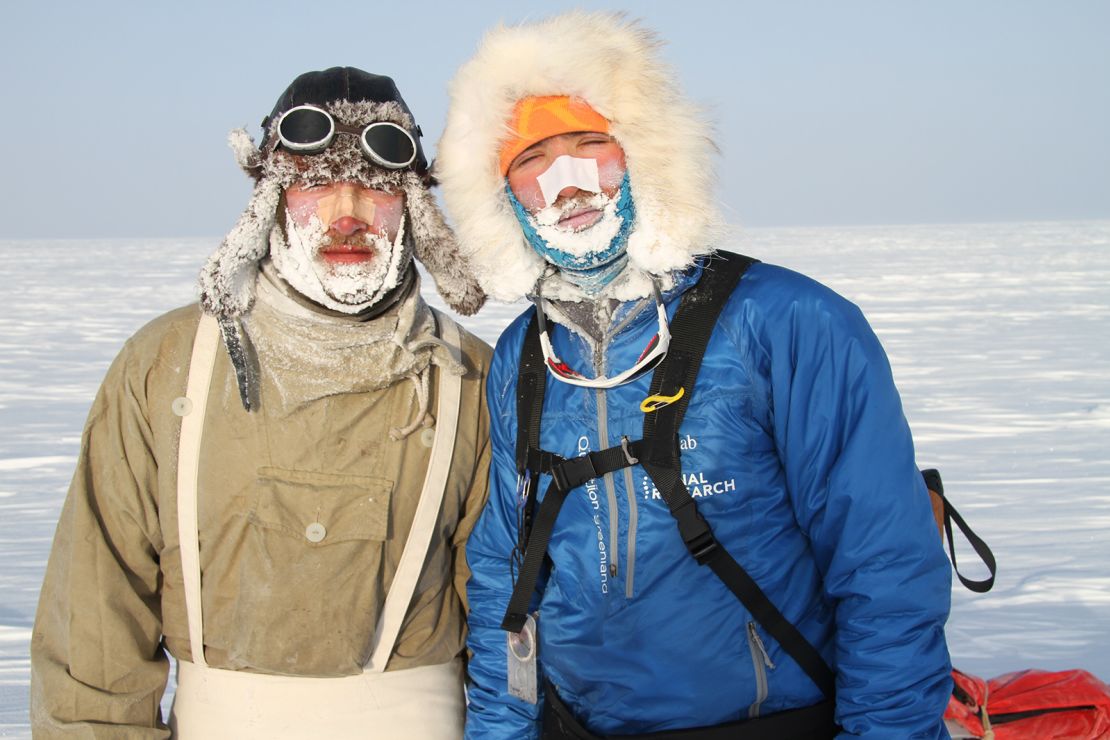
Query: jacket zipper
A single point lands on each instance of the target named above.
(610, 492)
(630, 492)
(633, 517)
(761, 661)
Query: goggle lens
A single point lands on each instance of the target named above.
(306, 127)
(388, 144)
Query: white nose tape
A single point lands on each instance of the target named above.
(568, 171)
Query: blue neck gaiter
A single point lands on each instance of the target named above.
(594, 270)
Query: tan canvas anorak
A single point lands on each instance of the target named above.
(274, 600)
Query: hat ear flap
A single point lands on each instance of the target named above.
(247, 155)
(227, 280)
(437, 249)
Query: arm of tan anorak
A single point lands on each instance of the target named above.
(97, 664)
(479, 487)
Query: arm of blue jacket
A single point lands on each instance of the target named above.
(491, 711)
(857, 493)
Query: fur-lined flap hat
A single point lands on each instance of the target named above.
(613, 64)
(354, 99)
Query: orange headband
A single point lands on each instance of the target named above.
(536, 118)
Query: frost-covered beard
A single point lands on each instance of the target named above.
(348, 288)
(590, 257)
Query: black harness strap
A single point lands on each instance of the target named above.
(529, 394)
(692, 326)
(566, 475)
(531, 384)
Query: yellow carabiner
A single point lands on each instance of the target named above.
(656, 402)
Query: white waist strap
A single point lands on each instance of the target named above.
(423, 703)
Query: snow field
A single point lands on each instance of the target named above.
(998, 335)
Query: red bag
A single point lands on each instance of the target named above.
(1025, 705)
(1031, 705)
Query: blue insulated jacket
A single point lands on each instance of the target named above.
(797, 452)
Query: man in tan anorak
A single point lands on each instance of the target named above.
(286, 473)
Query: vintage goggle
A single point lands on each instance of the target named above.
(652, 355)
(307, 129)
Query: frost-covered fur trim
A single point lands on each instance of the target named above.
(228, 279)
(437, 248)
(246, 153)
(613, 63)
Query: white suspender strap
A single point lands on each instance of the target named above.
(427, 510)
(191, 409)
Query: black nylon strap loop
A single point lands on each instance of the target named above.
(980, 547)
(936, 485)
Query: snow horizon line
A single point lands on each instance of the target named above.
(734, 228)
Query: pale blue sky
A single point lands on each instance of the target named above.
(828, 113)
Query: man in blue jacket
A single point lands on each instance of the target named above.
(580, 177)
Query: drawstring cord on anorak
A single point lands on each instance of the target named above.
(421, 381)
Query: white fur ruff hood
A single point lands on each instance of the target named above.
(613, 64)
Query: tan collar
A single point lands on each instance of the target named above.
(305, 354)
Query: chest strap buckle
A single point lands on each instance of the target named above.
(574, 472)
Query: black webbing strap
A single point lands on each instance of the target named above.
(690, 331)
(566, 475)
(934, 484)
(530, 387)
(692, 326)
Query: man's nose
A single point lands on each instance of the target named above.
(346, 221)
(349, 225)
